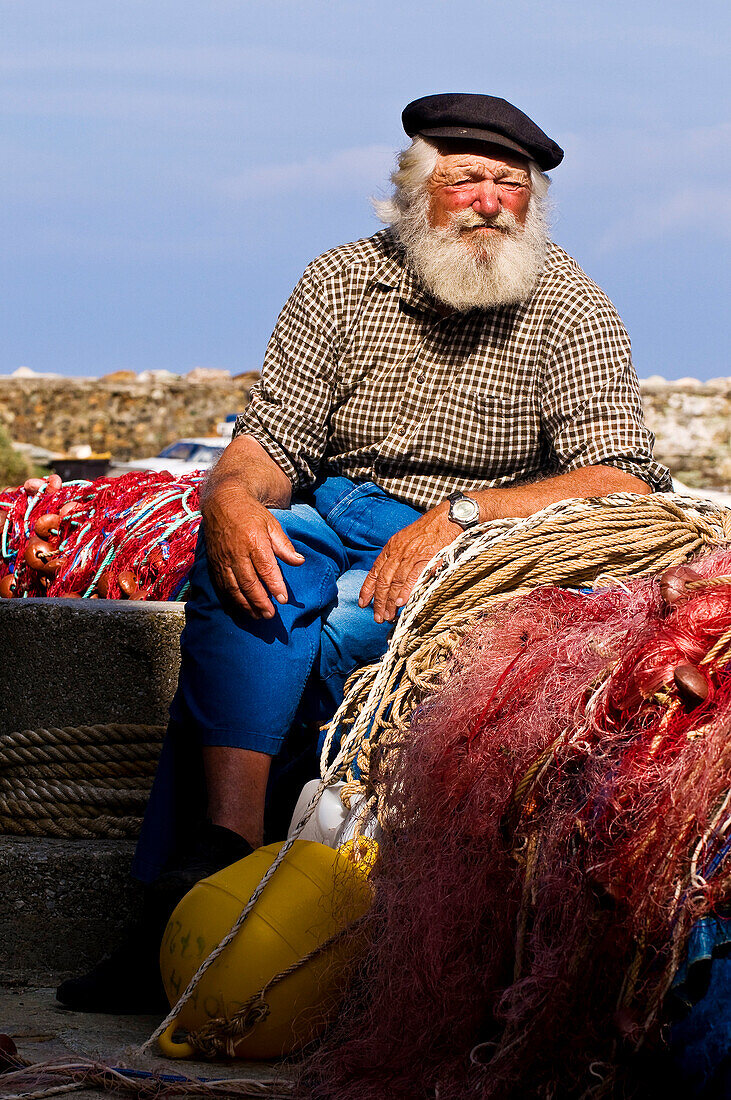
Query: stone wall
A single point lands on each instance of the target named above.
(133, 417)
(130, 418)
(692, 424)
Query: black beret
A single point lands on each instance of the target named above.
(481, 118)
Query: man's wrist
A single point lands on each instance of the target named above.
(491, 503)
(231, 484)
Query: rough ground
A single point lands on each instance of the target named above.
(43, 1030)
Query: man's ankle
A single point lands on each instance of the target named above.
(236, 785)
(222, 836)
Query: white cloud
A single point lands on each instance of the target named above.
(180, 86)
(638, 185)
(136, 246)
(686, 211)
(362, 168)
(619, 154)
(139, 105)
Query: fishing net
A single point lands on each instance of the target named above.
(129, 537)
(555, 818)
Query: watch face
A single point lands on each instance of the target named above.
(464, 510)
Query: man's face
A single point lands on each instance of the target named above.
(475, 235)
(474, 188)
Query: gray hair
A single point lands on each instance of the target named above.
(413, 171)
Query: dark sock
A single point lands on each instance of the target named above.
(224, 842)
(214, 848)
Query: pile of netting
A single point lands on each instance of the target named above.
(556, 818)
(130, 537)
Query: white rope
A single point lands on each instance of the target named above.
(438, 572)
(38, 1094)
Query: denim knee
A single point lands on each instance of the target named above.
(241, 679)
(350, 637)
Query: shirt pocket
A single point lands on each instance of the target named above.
(486, 435)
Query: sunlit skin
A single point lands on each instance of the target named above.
(483, 179)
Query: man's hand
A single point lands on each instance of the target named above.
(244, 540)
(397, 567)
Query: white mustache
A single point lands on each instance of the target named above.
(470, 219)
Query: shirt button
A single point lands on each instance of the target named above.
(421, 378)
(401, 430)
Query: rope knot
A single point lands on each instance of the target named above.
(222, 1035)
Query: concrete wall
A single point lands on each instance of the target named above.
(692, 423)
(87, 662)
(71, 663)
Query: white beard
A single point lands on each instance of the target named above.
(501, 270)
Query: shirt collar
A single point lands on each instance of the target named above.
(395, 274)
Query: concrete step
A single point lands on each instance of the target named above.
(87, 662)
(62, 903)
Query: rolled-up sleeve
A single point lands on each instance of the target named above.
(591, 404)
(290, 405)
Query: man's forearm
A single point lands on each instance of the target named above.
(524, 500)
(246, 465)
(396, 569)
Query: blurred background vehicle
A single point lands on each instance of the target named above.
(181, 457)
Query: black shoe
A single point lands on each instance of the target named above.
(128, 980)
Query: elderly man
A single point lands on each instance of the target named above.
(456, 367)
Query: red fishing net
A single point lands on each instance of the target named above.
(557, 818)
(130, 537)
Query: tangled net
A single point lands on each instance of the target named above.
(129, 537)
(556, 818)
(570, 543)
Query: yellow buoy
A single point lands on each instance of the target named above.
(314, 893)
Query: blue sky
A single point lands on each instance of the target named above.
(170, 167)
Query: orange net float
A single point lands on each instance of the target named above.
(130, 537)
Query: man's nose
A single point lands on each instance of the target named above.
(487, 199)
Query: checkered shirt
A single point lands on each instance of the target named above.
(365, 377)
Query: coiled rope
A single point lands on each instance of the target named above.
(77, 781)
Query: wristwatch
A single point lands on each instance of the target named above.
(463, 510)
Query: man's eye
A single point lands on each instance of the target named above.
(512, 185)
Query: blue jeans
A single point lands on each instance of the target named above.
(245, 682)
